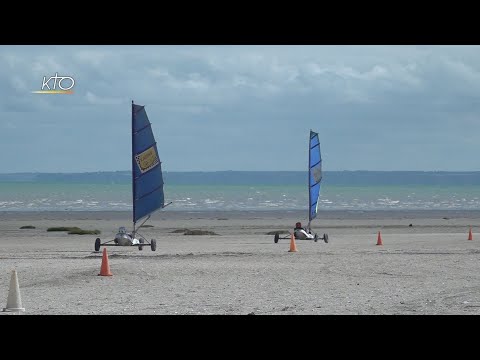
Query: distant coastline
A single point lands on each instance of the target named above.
(338, 178)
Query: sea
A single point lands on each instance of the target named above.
(63, 195)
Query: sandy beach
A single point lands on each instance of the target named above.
(427, 268)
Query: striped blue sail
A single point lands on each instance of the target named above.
(314, 174)
(147, 179)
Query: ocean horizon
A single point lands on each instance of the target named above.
(237, 191)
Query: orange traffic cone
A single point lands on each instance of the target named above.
(470, 236)
(379, 239)
(105, 269)
(293, 246)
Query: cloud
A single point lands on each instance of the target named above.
(99, 100)
(238, 96)
(218, 75)
(8, 125)
(94, 58)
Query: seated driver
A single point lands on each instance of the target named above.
(124, 238)
(302, 233)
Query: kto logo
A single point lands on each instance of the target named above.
(57, 85)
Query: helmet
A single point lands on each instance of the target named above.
(298, 225)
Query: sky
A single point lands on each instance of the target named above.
(224, 107)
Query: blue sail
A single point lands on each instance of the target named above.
(147, 179)
(314, 174)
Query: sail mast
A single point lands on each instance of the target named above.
(308, 180)
(133, 169)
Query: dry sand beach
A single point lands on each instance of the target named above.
(427, 268)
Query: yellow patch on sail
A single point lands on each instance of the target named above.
(147, 159)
